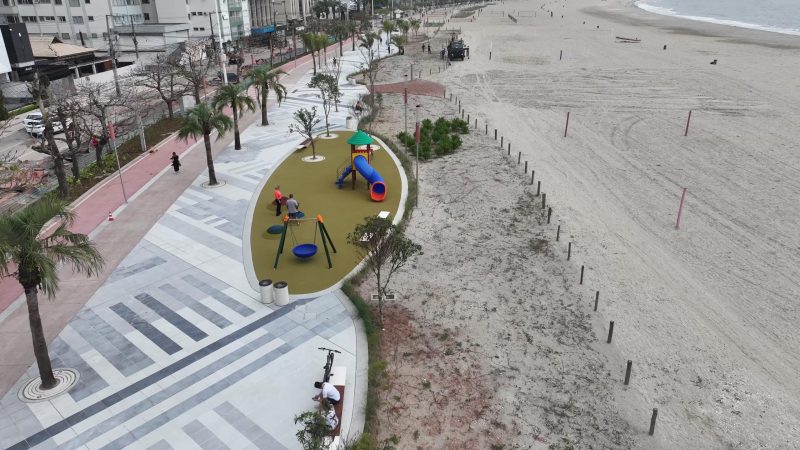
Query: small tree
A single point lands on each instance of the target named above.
(193, 66)
(314, 432)
(328, 93)
(305, 121)
(415, 24)
(40, 90)
(165, 79)
(310, 43)
(388, 26)
(400, 43)
(386, 249)
(235, 96)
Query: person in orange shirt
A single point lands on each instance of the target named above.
(278, 200)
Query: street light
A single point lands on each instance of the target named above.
(417, 133)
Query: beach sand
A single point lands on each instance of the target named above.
(707, 313)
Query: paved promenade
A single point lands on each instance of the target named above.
(172, 346)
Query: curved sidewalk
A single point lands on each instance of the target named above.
(173, 346)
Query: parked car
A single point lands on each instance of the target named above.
(36, 128)
(33, 116)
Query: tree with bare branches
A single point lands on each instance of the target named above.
(165, 79)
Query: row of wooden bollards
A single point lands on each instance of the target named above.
(507, 145)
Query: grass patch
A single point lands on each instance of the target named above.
(436, 138)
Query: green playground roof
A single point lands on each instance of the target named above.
(360, 138)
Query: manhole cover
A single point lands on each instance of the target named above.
(32, 392)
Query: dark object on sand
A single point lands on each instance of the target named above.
(714, 62)
(665, 46)
(625, 40)
(456, 50)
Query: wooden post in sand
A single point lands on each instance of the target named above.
(495, 134)
(533, 172)
(509, 148)
(558, 233)
(569, 250)
(544, 200)
(526, 166)
(628, 372)
(487, 129)
(549, 215)
(501, 142)
(680, 210)
(596, 299)
(560, 54)
(610, 331)
(467, 119)
(566, 127)
(476, 124)
(538, 187)
(581, 282)
(462, 114)
(653, 421)
(519, 156)
(688, 119)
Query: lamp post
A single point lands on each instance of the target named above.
(417, 132)
(221, 52)
(113, 55)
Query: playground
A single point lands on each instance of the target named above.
(314, 185)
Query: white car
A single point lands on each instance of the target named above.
(33, 116)
(36, 128)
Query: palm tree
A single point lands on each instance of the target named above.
(36, 256)
(266, 80)
(322, 44)
(310, 43)
(399, 42)
(202, 119)
(404, 26)
(235, 96)
(388, 27)
(415, 24)
(351, 29)
(341, 32)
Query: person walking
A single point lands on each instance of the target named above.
(176, 162)
(278, 200)
(292, 207)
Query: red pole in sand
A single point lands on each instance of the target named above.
(680, 209)
(689, 119)
(567, 125)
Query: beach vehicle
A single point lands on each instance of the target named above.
(456, 50)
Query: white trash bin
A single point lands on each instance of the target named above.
(265, 286)
(281, 293)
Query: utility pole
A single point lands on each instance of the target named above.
(135, 41)
(221, 52)
(113, 54)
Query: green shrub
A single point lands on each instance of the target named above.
(459, 126)
(22, 110)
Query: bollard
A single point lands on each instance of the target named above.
(628, 372)
(538, 187)
(596, 299)
(581, 282)
(501, 142)
(487, 129)
(569, 251)
(509, 148)
(467, 119)
(549, 214)
(476, 124)
(558, 232)
(544, 200)
(451, 96)
(495, 134)
(526, 166)
(560, 54)
(430, 70)
(519, 155)
(462, 114)
(533, 172)
(610, 331)
(653, 421)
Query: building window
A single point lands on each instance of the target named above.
(196, 29)
(47, 19)
(145, 2)
(28, 19)
(62, 18)
(91, 18)
(65, 36)
(94, 35)
(74, 3)
(77, 19)
(146, 16)
(58, 2)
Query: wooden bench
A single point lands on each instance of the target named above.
(304, 144)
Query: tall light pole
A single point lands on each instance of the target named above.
(417, 133)
(113, 55)
(221, 52)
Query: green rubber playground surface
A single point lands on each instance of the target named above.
(313, 185)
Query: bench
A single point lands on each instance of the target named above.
(304, 144)
(337, 379)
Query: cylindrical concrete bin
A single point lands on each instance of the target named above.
(265, 286)
(352, 81)
(351, 123)
(281, 293)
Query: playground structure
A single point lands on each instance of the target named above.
(360, 159)
(308, 249)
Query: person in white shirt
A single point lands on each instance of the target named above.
(328, 393)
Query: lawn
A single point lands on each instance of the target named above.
(313, 185)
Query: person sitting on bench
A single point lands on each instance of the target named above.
(328, 393)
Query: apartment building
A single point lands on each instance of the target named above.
(265, 13)
(137, 25)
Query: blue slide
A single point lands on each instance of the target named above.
(377, 188)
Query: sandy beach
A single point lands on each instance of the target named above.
(707, 313)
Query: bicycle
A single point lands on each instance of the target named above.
(328, 363)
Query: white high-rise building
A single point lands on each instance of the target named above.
(155, 24)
